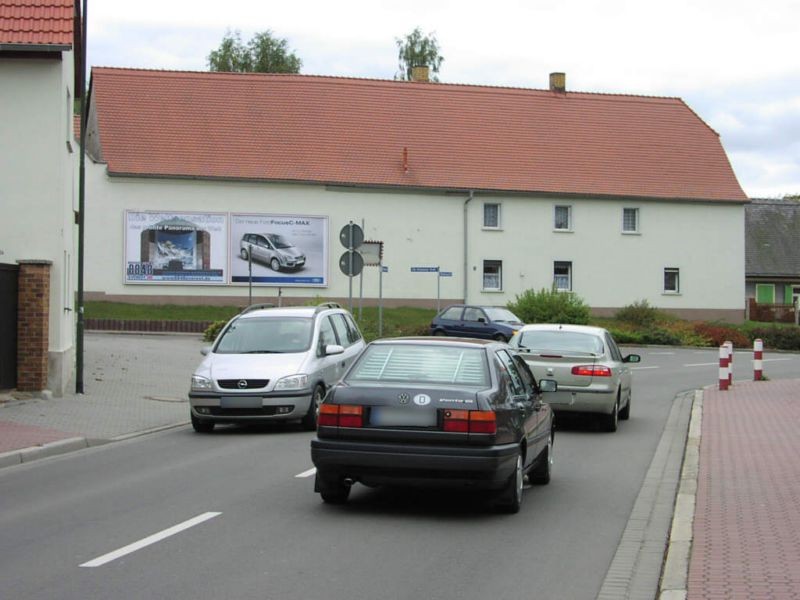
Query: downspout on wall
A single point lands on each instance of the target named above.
(466, 244)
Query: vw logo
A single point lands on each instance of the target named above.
(242, 384)
(404, 398)
(422, 399)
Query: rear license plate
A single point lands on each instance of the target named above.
(392, 416)
(240, 402)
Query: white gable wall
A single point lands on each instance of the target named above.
(610, 269)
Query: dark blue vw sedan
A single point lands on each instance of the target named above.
(435, 413)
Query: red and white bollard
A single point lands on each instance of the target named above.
(724, 382)
(729, 345)
(758, 357)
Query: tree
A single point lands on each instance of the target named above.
(264, 53)
(418, 50)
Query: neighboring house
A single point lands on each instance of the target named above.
(38, 182)
(772, 251)
(617, 198)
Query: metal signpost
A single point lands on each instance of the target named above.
(430, 270)
(351, 263)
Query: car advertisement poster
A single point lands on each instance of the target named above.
(281, 250)
(168, 247)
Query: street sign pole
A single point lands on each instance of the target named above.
(361, 284)
(438, 290)
(250, 275)
(350, 276)
(380, 298)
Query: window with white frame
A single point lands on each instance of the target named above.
(672, 280)
(562, 275)
(491, 215)
(493, 275)
(630, 220)
(563, 218)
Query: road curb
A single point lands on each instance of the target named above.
(675, 575)
(26, 455)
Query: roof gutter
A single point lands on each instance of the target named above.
(35, 47)
(466, 242)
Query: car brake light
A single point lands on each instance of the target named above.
(591, 370)
(340, 415)
(470, 421)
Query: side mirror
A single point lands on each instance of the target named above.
(548, 385)
(632, 358)
(205, 350)
(481, 320)
(333, 349)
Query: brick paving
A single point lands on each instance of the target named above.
(14, 436)
(747, 516)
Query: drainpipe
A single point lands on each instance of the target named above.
(466, 245)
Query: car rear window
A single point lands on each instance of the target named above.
(561, 341)
(419, 363)
(266, 335)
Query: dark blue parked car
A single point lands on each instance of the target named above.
(487, 322)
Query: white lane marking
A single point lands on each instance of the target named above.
(774, 359)
(152, 539)
(643, 368)
(703, 364)
(660, 353)
(309, 473)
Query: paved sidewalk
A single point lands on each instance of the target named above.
(133, 384)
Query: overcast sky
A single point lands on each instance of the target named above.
(734, 62)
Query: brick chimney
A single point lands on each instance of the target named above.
(420, 73)
(558, 82)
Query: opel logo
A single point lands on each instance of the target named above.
(422, 399)
(404, 398)
(242, 385)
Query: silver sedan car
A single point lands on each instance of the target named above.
(592, 374)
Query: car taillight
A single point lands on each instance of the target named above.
(340, 415)
(470, 421)
(591, 370)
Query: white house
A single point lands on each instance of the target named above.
(38, 183)
(618, 198)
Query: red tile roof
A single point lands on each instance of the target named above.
(37, 22)
(356, 131)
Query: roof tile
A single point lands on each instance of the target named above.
(37, 22)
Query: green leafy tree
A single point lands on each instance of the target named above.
(264, 53)
(418, 50)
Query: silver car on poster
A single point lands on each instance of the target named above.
(592, 374)
(271, 249)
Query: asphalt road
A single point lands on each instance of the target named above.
(67, 523)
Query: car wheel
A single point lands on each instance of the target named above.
(201, 426)
(333, 491)
(439, 332)
(510, 497)
(501, 338)
(611, 421)
(541, 474)
(310, 420)
(625, 413)
(275, 264)
(244, 254)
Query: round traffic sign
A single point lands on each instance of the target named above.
(351, 236)
(351, 263)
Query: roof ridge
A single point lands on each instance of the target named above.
(377, 81)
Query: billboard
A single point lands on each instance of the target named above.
(169, 247)
(282, 250)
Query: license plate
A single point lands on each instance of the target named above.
(392, 416)
(240, 402)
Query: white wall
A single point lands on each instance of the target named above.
(610, 269)
(37, 185)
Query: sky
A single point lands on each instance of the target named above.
(734, 62)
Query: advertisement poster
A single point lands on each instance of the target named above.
(168, 247)
(282, 250)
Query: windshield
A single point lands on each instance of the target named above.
(561, 341)
(424, 364)
(266, 335)
(503, 315)
(279, 241)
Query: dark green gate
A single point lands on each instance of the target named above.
(9, 289)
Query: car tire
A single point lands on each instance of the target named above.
(610, 422)
(275, 264)
(541, 474)
(509, 500)
(625, 413)
(244, 254)
(332, 490)
(201, 426)
(501, 338)
(310, 420)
